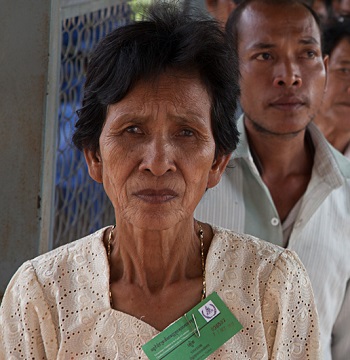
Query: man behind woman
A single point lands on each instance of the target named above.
(285, 183)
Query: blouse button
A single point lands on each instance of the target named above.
(274, 221)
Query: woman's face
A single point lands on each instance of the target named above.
(156, 155)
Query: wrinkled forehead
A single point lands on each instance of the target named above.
(267, 22)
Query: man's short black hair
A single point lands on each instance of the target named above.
(235, 16)
(166, 39)
(334, 33)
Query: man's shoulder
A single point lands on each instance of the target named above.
(342, 161)
(326, 156)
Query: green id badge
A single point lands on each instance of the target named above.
(195, 335)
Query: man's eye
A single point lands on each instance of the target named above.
(264, 56)
(344, 71)
(311, 54)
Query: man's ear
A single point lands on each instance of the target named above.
(220, 9)
(217, 169)
(94, 163)
(212, 6)
(326, 66)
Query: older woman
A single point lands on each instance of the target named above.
(157, 129)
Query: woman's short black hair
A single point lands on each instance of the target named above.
(166, 38)
(334, 33)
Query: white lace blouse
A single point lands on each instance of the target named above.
(57, 305)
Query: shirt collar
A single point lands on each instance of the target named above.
(242, 150)
(329, 164)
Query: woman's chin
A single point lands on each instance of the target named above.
(158, 220)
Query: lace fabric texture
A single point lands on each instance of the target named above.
(57, 305)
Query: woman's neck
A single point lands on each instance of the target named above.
(153, 260)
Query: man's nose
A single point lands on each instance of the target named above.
(287, 75)
(158, 156)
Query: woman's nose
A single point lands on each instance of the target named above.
(158, 156)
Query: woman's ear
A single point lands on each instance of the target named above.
(217, 169)
(94, 164)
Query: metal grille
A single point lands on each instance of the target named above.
(81, 205)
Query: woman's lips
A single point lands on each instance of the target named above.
(158, 196)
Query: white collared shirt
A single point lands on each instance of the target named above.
(320, 235)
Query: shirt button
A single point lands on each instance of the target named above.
(298, 223)
(274, 221)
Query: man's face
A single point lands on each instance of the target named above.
(220, 9)
(320, 7)
(282, 69)
(342, 8)
(337, 97)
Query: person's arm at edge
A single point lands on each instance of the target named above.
(341, 329)
(26, 327)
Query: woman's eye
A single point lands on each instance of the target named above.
(264, 56)
(133, 130)
(186, 132)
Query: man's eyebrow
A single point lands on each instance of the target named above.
(261, 46)
(344, 62)
(265, 45)
(309, 41)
